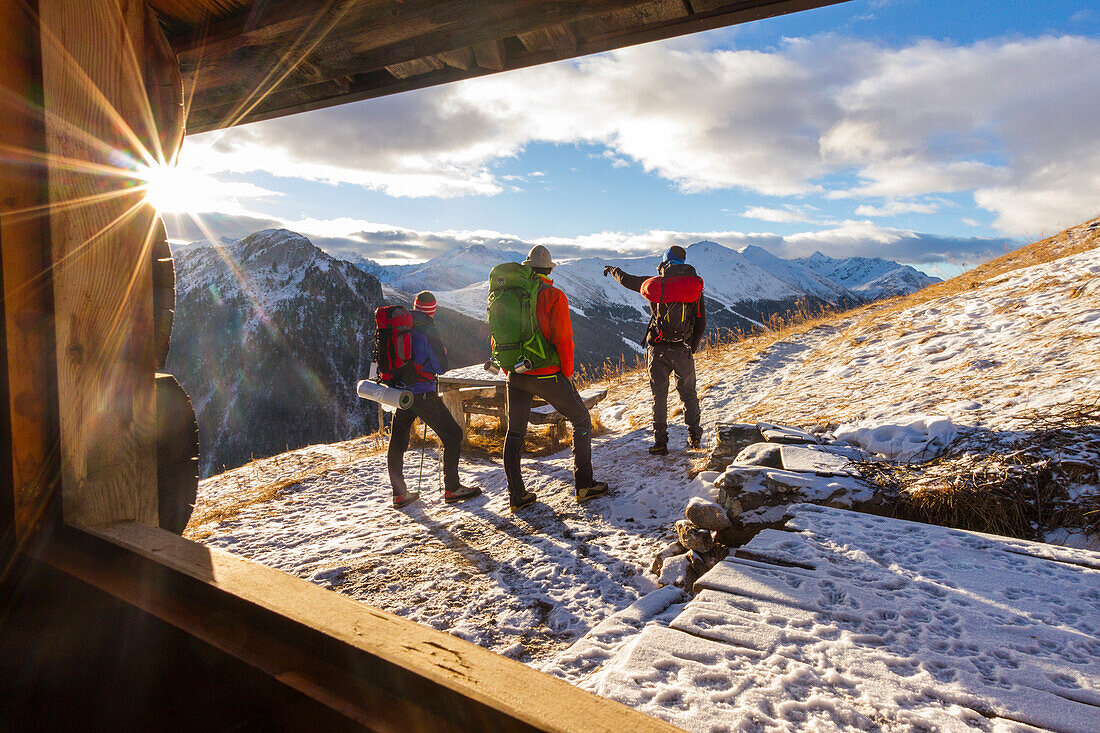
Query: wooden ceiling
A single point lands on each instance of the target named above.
(249, 60)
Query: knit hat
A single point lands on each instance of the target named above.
(539, 258)
(425, 303)
(676, 254)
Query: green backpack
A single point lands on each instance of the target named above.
(518, 344)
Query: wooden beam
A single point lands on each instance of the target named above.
(432, 27)
(27, 287)
(460, 58)
(97, 115)
(354, 38)
(490, 55)
(375, 669)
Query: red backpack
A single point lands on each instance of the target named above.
(672, 289)
(674, 301)
(393, 345)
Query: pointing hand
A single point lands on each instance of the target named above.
(607, 270)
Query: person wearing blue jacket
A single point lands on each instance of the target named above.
(430, 358)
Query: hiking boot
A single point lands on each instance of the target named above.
(405, 498)
(695, 438)
(462, 493)
(528, 497)
(658, 449)
(591, 492)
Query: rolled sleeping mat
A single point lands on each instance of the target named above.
(401, 399)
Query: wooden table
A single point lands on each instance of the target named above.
(472, 390)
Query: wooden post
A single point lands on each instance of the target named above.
(97, 115)
(452, 399)
(27, 291)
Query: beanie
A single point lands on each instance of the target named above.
(676, 254)
(425, 303)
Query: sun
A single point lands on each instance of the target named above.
(175, 189)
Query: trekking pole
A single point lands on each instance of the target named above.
(422, 447)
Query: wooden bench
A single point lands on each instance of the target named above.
(474, 391)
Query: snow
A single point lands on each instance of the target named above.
(920, 437)
(841, 621)
(857, 621)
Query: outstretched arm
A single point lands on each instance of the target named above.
(628, 281)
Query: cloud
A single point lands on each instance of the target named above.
(893, 208)
(214, 226)
(1014, 122)
(786, 215)
(353, 238)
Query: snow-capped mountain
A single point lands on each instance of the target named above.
(456, 268)
(872, 278)
(270, 336)
(743, 290)
(800, 276)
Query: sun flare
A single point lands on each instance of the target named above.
(175, 189)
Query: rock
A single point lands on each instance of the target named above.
(694, 538)
(674, 571)
(785, 434)
(750, 523)
(728, 440)
(759, 454)
(671, 550)
(706, 514)
(791, 483)
(804, 458)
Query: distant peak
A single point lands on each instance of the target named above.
(269, 240)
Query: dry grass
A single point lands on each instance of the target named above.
(1018, 485)
(1074, 240)
(485, 437)
(292, 468)
(230, 509)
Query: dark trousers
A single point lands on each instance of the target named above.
(676, 359)
(563, 397)
(431, 410)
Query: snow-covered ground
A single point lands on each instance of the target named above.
(532, 584)
(855, 622)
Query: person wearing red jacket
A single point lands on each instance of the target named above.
(553, 384)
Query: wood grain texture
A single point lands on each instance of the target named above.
(97, 113)
(374, 666)
(27, 288)
(279, 58)
(452, 400)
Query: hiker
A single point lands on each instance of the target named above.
(537, 354)
(675, 330)
(428, 358)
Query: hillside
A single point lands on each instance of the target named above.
(269, 339)
(569, 588)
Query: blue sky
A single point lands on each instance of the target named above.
(933, 133)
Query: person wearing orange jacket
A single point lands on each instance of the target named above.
(553, 384)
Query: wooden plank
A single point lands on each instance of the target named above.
(27, 286)
(100, 231)
(354, 38)
(374, 668)
(460, 58)
(469, 393)
(490, 55)
(452, 400)
(363, 42)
